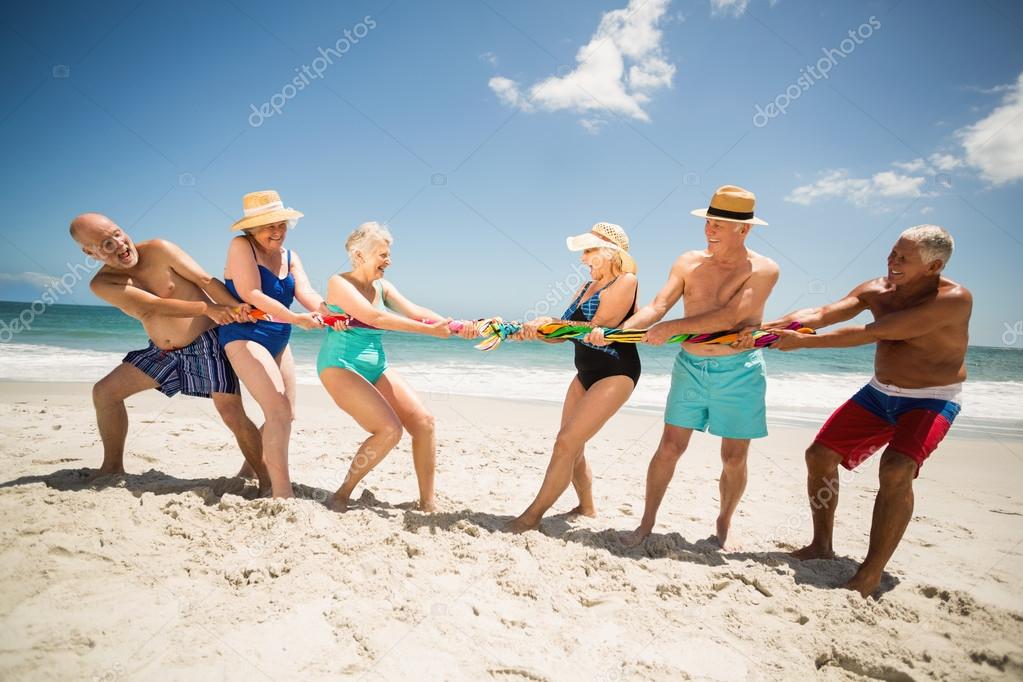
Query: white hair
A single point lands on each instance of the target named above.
(935, 243)
(365, 237)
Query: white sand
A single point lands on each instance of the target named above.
(175, 572)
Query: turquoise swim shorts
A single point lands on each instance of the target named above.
(723, 395)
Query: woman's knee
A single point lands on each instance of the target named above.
(421, 425)
(277, 410)
(389, 433)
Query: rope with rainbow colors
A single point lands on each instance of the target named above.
(494, 330)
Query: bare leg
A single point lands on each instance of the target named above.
(593, 410)
(582, 475)
(731, 485)
(250, 441)
(419, 423)
(582, 481)
(356, 396)
(262, 375)
(893, 508)
(822, 489)
(674, 441)
(108, 397)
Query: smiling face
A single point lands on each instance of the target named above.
(375, 259)
(906, 265)
(724, 235)
(269, 237)
(103, 239)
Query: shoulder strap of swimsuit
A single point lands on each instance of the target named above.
(580, 296)
(289, 259)
(248, 240)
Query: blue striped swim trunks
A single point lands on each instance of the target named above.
(199, 369)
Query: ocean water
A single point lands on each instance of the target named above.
(82, 343)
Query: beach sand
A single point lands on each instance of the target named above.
(176, 571)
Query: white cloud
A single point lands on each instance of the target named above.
(489, 58)
(733, 8)
(926, 209)
(617, 71)
(36, 279)
(837, 184)
(944, 162)
(914, 166)
(507, 91)
(994, 144)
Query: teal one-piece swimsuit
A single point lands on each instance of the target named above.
(357, 349)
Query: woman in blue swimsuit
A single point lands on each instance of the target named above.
(261, 272)
(605, 377)
(354, 370)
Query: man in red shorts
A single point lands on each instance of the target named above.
(920, 326)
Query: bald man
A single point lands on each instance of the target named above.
(179, 306)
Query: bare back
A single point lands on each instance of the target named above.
(154, 274)
(711, 285)
(935, 357)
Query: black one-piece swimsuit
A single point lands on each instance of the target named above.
(594, 363)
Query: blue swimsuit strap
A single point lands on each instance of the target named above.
(256, 258)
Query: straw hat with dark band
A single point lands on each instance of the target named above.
(265, 208)
(605, 236)
(733, 204)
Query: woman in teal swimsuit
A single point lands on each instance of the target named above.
(353, 368)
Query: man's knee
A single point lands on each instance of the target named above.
(734, 457)
(674, 442)
(106, 392)
(231, 411)
(896, 471)
(821, 459)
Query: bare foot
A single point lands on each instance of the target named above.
(104, 470)
(246, 471)
(636, 537)
(338, 502)
(521, 524)
(721, 537)
(581, 510)
(428, 506)
(863, 583)
(812, 551)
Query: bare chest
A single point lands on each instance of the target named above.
(708, 287)
(165, 283)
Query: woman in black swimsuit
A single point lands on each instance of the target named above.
(606, 376)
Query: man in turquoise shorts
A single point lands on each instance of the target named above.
(714, 388)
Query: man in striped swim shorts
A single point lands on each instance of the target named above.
(921, 325)
(180, 306)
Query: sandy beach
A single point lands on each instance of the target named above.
(178, 571)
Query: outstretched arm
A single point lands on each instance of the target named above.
(140, 304)
(342, 293)
(846, 308)
(905, 324)
(665, 299)
(741, 306)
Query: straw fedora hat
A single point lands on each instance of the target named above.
(265, 208)
(733, 204)
(604, 236)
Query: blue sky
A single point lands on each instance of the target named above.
(484, 132)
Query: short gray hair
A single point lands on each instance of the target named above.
(365, 236)
(935, 243)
